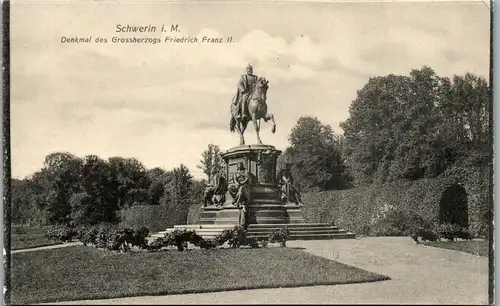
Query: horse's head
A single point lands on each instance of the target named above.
(261, 88)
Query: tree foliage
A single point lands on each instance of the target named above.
(91, 190)
(211, 161)
(315, 155)
(131, 181)
(416, 126)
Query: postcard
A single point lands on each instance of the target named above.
(237, 152)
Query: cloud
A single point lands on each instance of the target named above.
(209, 84)
(218, 125)
(164, 103)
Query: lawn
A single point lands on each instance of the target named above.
(77, 273)
(476, 247)
(28, 237)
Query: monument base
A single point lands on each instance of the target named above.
(265, 210)
(219, 215)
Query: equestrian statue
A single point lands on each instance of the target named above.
(249, 104)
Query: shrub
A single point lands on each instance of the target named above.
(87, 235)
(103, 235)
(425, 234)
(112, 237)
(416, 227)
(180, 238)
(451, 232)
(280, 236)
(463, 233)
(236, 237)
(60, 232)
(139, 238)
(156, 244)
(388, 221)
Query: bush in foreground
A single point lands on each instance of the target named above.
(116, 238)
(106, 236)
(236, 237)
(279, 236)
(60, 233)
(180, 238)
(451, 232)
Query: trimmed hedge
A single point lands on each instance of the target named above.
(354, 209)
(154, 217)
(194, 213)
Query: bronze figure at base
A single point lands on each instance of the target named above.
(288, 192)
(239, 191)
(215, 193)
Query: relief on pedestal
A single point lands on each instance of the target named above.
(265, 167)
(238, 185)
(239, 189)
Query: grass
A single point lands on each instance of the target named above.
(78, 273)
(476, 247)
(28, 237)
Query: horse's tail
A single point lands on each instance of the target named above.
(232, 124)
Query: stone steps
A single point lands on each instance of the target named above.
(316, 236)
(298, 231)
(289, 226)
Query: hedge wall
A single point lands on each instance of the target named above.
(353, 209)
(155, 217)
(193, 213)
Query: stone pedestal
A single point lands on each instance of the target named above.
(295, 214)
(265, 205)
(266, 212)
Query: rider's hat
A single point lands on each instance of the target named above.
(249, 66)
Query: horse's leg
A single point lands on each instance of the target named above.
(241, 130)
(256, 125)
(271, 117)
(273, 130)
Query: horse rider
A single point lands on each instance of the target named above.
(246, 86)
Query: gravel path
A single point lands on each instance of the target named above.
(419, 275)
(55, 246)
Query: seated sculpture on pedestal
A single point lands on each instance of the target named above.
(238, 189)
(288, 192)
(215, 193)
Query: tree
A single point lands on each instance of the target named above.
(410, 127)
(469, 107)
(96, 202)
(82, 209)
(130, 181)
(158, 178)
(316, 155)
(62, 178)
(23, 207)
(178, 193)
(211, 161)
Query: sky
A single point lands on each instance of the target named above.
(164, 103)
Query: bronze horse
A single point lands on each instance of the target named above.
(256, 108)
